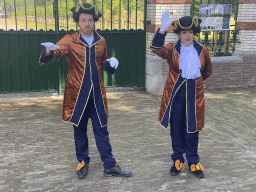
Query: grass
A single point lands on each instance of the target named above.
(32, 24)
(71, 25)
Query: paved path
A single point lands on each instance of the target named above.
(38, 154)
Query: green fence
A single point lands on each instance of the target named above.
(19, 58)
(28, 23)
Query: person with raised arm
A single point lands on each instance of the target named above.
(183, 96)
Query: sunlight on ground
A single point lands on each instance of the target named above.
(212, 96)
(47, 102)
(240, 93)
(118, 103)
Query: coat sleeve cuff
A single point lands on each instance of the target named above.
(158, 40)
(45, 59)
(108, 68)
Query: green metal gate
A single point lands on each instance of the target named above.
(122, 26)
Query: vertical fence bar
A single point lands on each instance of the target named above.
(144, 47)
(102, 15)
(111, 15)
(120, 15)
(76, 4)
(128, 15)
(45, 16)
(136, 22)
(35, 14)
(15, 14)
(67, 13)
(5, 16)
(26, 14)
(56, 15)
(94, 3)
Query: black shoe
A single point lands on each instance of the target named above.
(174, 171)
(116, 171)
(198, 173)
(197, 170)
(177, 168)
(82, 172)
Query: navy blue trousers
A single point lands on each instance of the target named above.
(182, 142)
(101, 137)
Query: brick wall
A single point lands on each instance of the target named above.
(246, 12)
(246, 24)
(226, 71)
(247, 39)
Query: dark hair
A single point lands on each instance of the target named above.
(85, 8)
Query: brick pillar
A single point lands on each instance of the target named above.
(246, 23)
(155, 66)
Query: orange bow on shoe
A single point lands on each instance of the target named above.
(179, 165)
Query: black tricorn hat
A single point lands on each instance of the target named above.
(85, 8)
(187, 22)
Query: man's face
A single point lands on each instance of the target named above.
(86, 24)
(186, 37)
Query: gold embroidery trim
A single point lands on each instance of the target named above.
(86, 9)
(177, 24)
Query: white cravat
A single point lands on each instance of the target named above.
(89, 40)
(189, 62)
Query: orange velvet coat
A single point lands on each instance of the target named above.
(74, 50)
(172, 54)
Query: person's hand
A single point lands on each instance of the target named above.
(50, 46)
(113, 62)
(165, 21)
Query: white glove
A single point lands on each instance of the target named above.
(50, 46)
(165, 21)
(113, 62)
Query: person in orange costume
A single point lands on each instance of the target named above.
(183, 97)
(85, 95)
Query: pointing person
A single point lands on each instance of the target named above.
(85, 95)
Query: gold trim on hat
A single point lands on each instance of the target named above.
(78, 6)
(177, 24)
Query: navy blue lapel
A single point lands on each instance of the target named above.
(177, 47)
(97, 37)
(199, 48)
